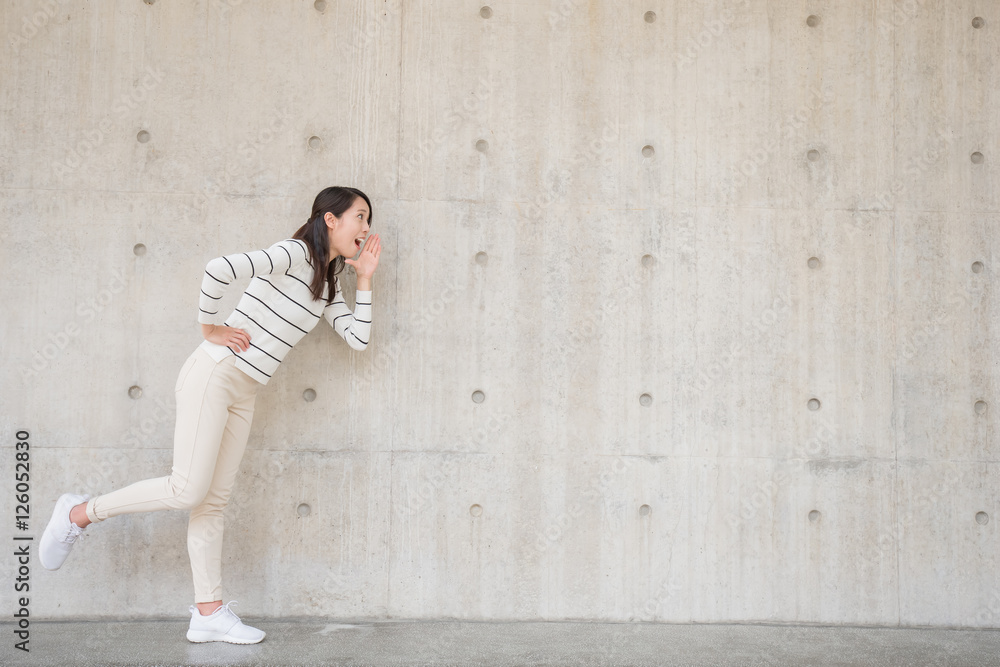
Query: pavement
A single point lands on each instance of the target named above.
(312, 641)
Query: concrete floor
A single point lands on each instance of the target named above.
(312, 642)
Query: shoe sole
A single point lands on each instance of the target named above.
(203, 636)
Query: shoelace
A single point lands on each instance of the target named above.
(72, 533)
(229, 609)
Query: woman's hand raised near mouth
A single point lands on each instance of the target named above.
(366, 262)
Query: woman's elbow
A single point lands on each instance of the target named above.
(219, 269)
(356, 343)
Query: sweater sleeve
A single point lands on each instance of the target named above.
(354, 327)
(222, 271)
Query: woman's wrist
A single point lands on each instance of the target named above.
(364, 284)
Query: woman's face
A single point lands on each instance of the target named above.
(346, 232)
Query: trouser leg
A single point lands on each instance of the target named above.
(203, 399)
(205, 526)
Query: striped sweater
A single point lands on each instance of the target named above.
(277, 309)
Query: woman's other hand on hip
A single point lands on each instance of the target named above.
(228, 336)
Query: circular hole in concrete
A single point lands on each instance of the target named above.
(486, 12)
(309, 395)
(478, 396)
(977, 267)
(644, 510)
(978, 22)
(482, 145)
(320, 5)
(135, 391)
(814, 516)
(645, 400)
(476, 510)
(303, 509)
(813, 404)
(977, 158)
(139, 249)
(647, 151)
(315, 143)
(813, 262)
(982, 518)
(482, 258)
(648, 261)
(980, 407)
(649, 17)
(813, 155)
(143, 136)
(149, 2)
(812, 20)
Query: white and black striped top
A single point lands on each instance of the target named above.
(277, 309)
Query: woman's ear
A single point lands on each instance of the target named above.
(330, 220)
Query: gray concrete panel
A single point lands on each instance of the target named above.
(685, 312)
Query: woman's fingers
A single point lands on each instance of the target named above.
(241, 339)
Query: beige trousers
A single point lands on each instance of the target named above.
(214, 410)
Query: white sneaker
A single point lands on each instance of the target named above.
(61, 533)
(222, 625)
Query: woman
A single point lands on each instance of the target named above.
(288, 294)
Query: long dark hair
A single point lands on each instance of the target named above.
(336, 200)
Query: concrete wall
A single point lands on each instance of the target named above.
(685, 317)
